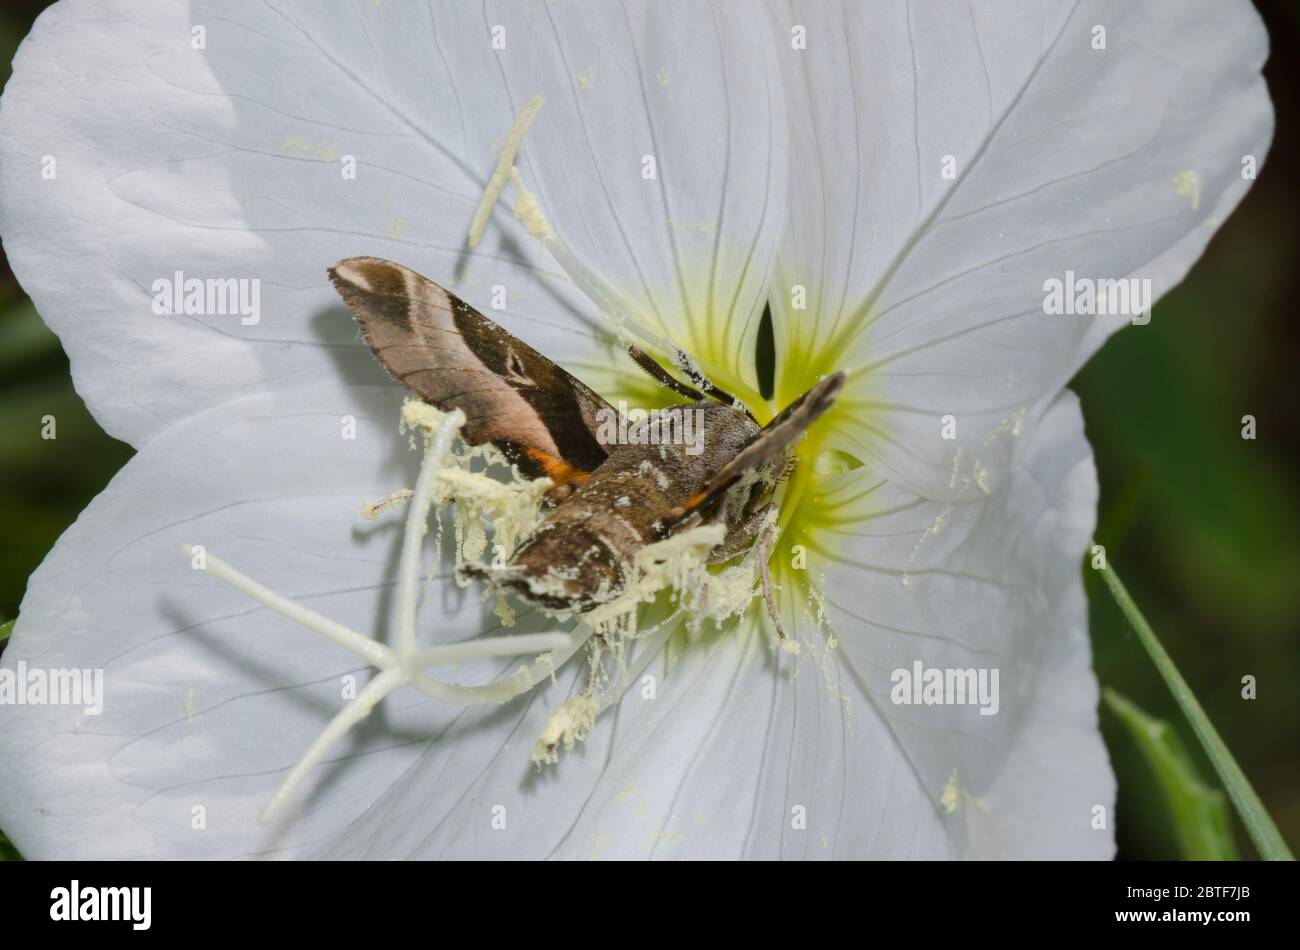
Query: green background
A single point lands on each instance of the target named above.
(1201, 524)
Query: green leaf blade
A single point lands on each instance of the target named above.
(1263, 832)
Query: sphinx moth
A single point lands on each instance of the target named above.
(607, 501)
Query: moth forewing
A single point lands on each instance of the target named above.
(452, 357)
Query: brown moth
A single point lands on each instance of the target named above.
(608, 501)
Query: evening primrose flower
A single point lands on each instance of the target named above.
(682, 151)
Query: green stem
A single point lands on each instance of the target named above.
(1260, 826)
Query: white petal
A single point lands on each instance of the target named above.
(1064, 157)
(994, 584)
(733, 757)
(228, 161)
(686, 93)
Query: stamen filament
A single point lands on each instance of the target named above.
(500, 174)
(620, 312)
(417, 518)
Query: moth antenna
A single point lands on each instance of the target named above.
(765, 542)
(711, 389)
(683, 361)
(784, 476)
(661, 375)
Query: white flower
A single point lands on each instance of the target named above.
(228, 161)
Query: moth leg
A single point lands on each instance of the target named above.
(765, 541)
(741, 536)
(756, 531)
(557, 493)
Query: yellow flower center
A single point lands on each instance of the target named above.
(808, 519)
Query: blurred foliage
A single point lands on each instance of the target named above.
(1201, 523)
(1196, 814)
(7, 851)
(44, 482)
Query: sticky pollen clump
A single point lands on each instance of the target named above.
(510, 509)
(527, 211)
(571, 723)
(679, 562)
(371, 510)
(649, 468)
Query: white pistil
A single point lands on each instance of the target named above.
(488, 646)
(417, 520)
(404, 664)
(521, 681)
(347, 717)
(408, 672)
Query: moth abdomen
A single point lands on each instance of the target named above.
(574, 563)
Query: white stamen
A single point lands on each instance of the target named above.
(527, 211)
(572, 722)
(617, 309)
(505, 161)
(370, 510)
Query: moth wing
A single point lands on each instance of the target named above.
(767, 447)
(444, 351)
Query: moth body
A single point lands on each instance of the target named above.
(583, 552)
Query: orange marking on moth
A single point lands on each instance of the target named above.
(682, 510)
(558, 470)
